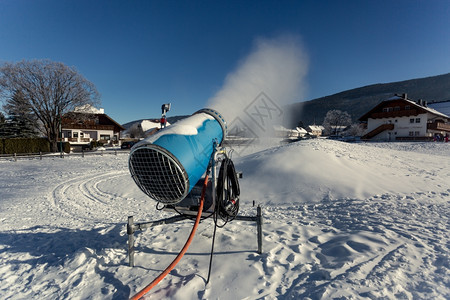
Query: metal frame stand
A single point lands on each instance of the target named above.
(132, 228)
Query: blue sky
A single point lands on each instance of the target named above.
(140, 54)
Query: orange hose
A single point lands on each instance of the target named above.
(182, 252)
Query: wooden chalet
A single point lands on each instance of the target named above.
(82, 127)
(400, 118)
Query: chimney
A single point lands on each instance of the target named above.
(405, 96)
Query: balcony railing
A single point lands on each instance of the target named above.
(439, 126)
(76, 140)
(394, 114)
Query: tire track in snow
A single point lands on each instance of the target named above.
(94, 204)
(91, 190)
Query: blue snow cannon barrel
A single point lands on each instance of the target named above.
(167, 165)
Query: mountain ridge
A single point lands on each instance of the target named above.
(359, 100)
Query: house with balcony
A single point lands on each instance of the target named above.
(88, 124)
(400, 118)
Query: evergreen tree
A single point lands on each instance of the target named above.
(2, 124)
(19, 123)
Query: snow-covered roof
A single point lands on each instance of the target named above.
(429, 109)
(149, 127)
(151, 124)
(443, 107)
(420, 106)
(316, 127)
(301, 130)
(89, 109)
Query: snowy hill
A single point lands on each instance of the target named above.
(360, 100)
(347, 221)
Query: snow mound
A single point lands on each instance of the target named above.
(315, 170)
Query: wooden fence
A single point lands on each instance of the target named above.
(41, 155)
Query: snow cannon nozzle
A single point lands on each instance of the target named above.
(167, 165)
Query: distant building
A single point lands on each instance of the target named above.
(283, 132)
(143, 128)
(399, 118)
(315, 130)
(87, 124)
(301, 131)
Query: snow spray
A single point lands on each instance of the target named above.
(271, 76)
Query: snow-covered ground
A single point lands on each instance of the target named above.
(346, 221)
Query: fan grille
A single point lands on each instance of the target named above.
(158, 174)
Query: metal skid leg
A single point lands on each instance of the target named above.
(131, 228)
(258, 220)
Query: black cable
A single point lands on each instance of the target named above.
(212, 252)
(227, 201)
(228, 191)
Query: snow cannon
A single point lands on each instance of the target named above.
(167, 165)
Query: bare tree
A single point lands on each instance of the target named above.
(355, 130)
(48, 90)
(335, 119)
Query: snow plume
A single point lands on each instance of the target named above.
(253, 95)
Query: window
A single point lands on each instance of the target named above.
(75, 135)
(417, 120)
(407, 107)
(411, 120)
(105, 137)
(385, 109)
(397, 108)
(411, 133)
(416, 133)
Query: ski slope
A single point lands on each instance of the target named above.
(347, 221)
